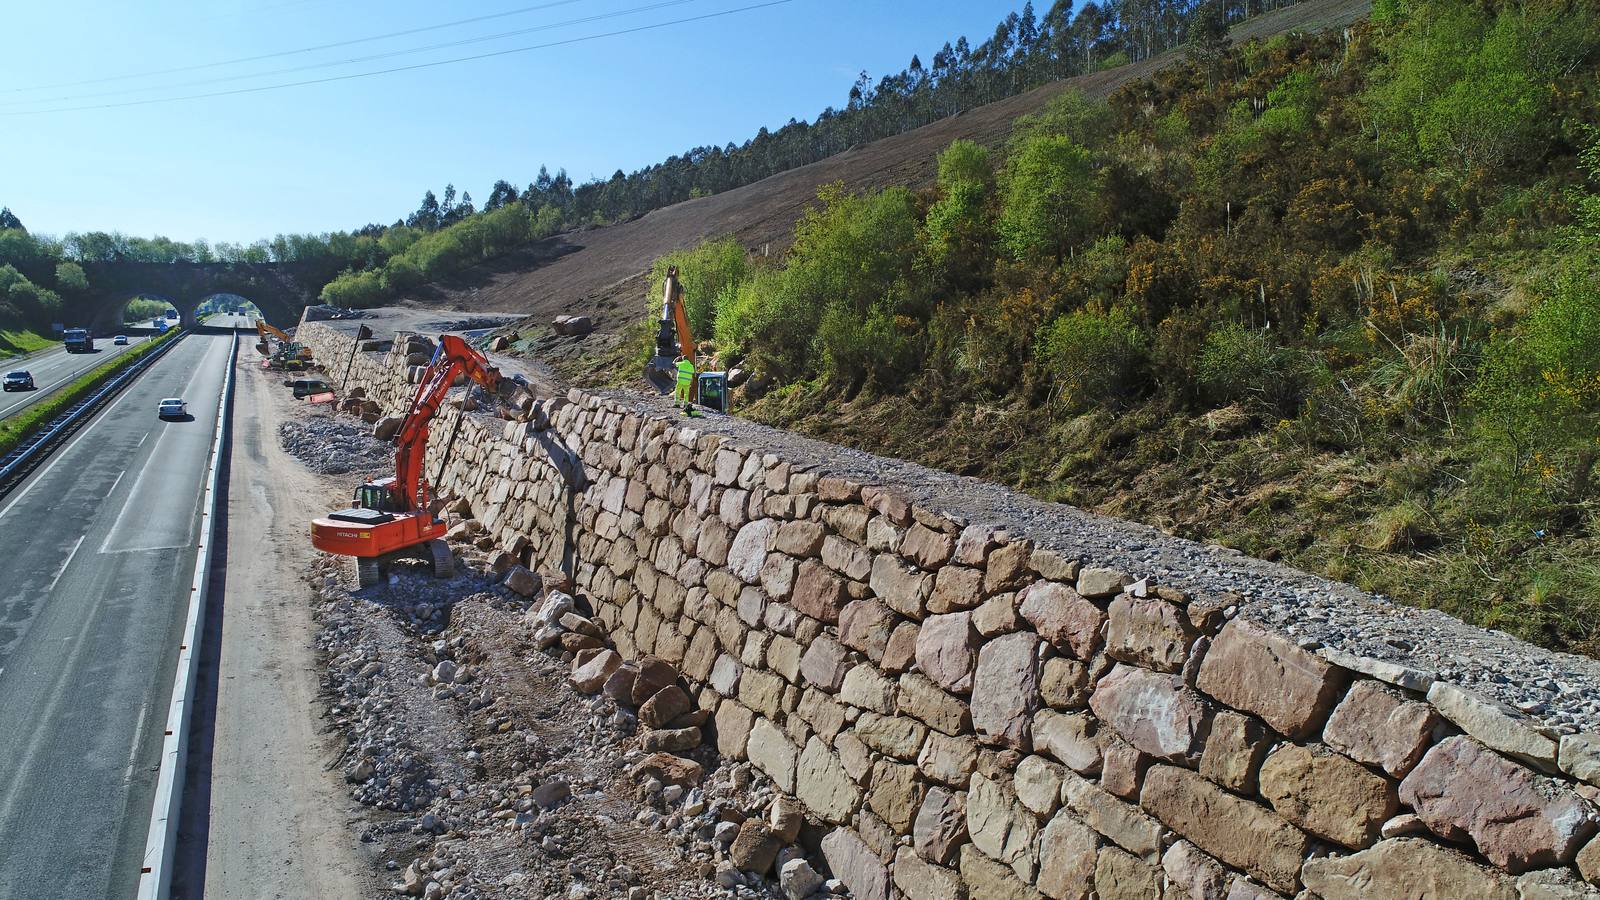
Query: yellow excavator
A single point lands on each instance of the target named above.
(673, 369)
(289, 355)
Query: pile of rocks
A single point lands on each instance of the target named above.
(330, 446)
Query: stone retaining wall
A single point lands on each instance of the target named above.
(969, 713)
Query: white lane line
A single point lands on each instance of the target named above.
(64, 563)
(113, 488)
(133, 751)
(143, 439)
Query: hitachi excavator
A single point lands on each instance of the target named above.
(674, 359)
(389, 519)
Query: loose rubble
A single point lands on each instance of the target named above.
(330, 446)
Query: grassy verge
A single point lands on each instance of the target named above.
(16, 343)
(19, 427)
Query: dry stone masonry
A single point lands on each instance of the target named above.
(972, 694)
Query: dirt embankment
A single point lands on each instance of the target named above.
(599, 272)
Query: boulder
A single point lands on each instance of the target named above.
(1251, 668)
(592, 675)
(755, 848)
(1404, 869)
(386, 428)
(1329, 795)
(1154, 712)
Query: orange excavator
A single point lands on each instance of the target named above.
(674, 341)
(390, 518)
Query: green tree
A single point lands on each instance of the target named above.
(70, 278)
(959, 229)
(1050, 193)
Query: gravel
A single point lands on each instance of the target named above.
(1559, 690)
(330, 446)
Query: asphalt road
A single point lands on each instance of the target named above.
(101, 548)
(57, 367)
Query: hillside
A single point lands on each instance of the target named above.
(599, 271)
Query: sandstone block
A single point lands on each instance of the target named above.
(825, 663)
(823, 785)
(592, 675)
(900, 654)
(896, 736)
(920, 699)
(996, 615)
(1007, 567)
(940, 826)
(905, 590)
(956, 588)
(733, 729)
(864, 687)
(672, 740)
(1037, 782)
(1329, 795)
(949, 760)
(771, 752)
(1253, 669)
(1073, 738)
(801, 539)
(1119, 875)
(1149, 632)
(761, 691)
(1499, 727)
(1379, 726)
(818, 710)
(927, 548)
(1579, 756)
(895, 794)
(919, 880)
(849, 560)
(990, 880)
(1062, 617)
(1234, 751)
(818, 592)
(1001, 827)
(1005, 689)
(1068, 853)
(1192, 874)
(854, 864)
(1125, 824)
(1554, 884)
(866, 625)
(1122, 768)
(1096, 582)
(667, 704)
(1517, 820)
(725, 674)
(947, 650)
(1588, 861)
(1064, 683)
(755, 848)
(973, 545)
(1155, 713)
(1234, 830)
(1402, 869)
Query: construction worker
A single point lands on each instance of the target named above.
(685, 391)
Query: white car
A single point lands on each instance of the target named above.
(120, 340)
(172, 408)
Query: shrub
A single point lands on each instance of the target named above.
(1240, 364)
(1050, 191)
(1095, 358)
(705, 273)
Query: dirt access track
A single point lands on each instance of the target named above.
(599, 271)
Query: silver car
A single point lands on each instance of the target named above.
(172, 408)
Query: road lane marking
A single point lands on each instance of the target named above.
(64, 563)
(133, 750)
(113, 488)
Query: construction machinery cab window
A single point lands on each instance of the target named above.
(372, 496)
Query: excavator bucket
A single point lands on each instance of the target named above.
(263, 349)
(661, 373)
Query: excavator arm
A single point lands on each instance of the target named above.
(673, 336)
(453, 357)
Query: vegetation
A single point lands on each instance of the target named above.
(1329, 299)
(143, 309)
(18, 428)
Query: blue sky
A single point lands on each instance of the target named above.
(338, 155)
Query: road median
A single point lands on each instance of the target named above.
(16, 429)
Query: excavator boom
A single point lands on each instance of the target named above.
(673, 336)
(453, 357)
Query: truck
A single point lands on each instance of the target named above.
(77, 340)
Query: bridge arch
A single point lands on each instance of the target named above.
(273, 289)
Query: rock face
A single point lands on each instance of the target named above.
(1464, 791)
(1250, 668)
(1154, 712)
(1329, 795)
(1404, 869)
(1232, 829)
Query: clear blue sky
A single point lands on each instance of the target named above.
(338, 155)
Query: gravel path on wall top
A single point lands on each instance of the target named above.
(1561, 690)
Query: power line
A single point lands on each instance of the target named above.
(296, 52)
(410, 68)
(389, 54)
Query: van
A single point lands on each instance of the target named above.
(305, 387)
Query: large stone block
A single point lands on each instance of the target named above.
(802, 539)
(1149, 632)
(1154, 712)
(904, 589)
(733, 729)
(956, 588)
(990, 880)
(1518, 821)
(894, 793)
(823, 785)
(1119, 875)
(1125, 824)
(922, 699)
(854, 863)
(897, 736)
(1005, 689)
(818, 592)
(1192, 874)
(947, 650)
(1329, 795)
(1405, 869)
(1064, 683)
(1234, 830)
(1073, 738)
(771, 752)
(1498, 726)
(919, 880)
(1001, 827)
(949, 760)
(749, 549)
(1069, 622)
(940, 827)
(1234, 751)
(1251, 668)
(864, 687)
(825, 663)
(1068, 853)
(867, 625)
(1377, 725)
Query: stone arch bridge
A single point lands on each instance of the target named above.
(280, 290)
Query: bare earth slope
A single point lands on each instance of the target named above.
(598, 272)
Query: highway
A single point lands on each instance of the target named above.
(56, 367)
(101, 540)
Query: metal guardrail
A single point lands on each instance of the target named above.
(22, 458)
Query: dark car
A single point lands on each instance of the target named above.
(20, 380)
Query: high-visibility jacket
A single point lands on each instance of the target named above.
(685, 380)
